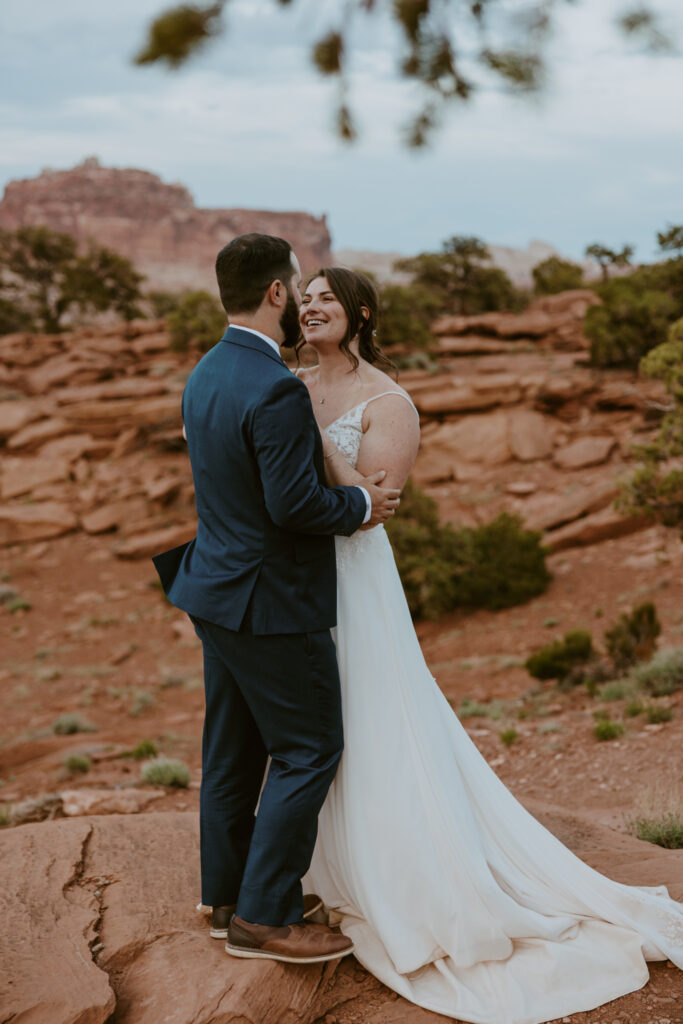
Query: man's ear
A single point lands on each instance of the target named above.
(276, 292)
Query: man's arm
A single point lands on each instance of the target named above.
(283, 432)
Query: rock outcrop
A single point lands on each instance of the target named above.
(91, 433)
(155, 225)
(100, 925)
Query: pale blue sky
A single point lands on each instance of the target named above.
(599, 158)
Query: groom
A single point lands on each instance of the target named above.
(259, 584)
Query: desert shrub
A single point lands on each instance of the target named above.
(166, 771)
(68, 724)
(508, 736)
(19, 604)
(666, 831)
(607, 730)
(657, 713)
(406, 313)
(163, 303)
(557, 659)
(492, 566)
(634, 708)
(556, 275)
(656, 487)
(77, 763)
(142, 700)
(661, 676)
(458, 277)
(144, 750)
(5, 815)
(611, 691)
(633, 637)
(44, 277)
(501, 564)
(658, 813)
(474, 709)
(636, 313)
(198, 320)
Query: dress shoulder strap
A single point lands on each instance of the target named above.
(400, 394)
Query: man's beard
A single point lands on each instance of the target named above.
(289, 322)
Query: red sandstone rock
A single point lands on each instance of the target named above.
(543, 511)
(594, 528)
(155, 542)
(585, 451)
(477, 438)
(113, 516)
(471, 344)
(521, 487)
(163, 489)
(73, 446)
(126, 387)
(105, 418)
(31, 437)
(79, 802)
(35, 522)
(530, 434)
(155, 225)
(16, 415)
(21, 475)
(115, 895)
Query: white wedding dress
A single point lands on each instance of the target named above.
(454, 895)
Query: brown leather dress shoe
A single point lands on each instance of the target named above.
(293, 944)
(220, 916)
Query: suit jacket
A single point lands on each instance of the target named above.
(266, 520)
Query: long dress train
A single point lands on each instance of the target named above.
(454, 895)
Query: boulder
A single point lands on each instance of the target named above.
(22, 475)
(80, 802)
(126, 387)
(585, 451)
(477, 438)
(471, 344)
(153, 543)
(31, 437)
(546, 510)
(16, 415)
(521, 488)
(47, 907)
(35, 522)
(114, 515)
(106, 418)
(163, 489)
(74, 446)
(67, 366)
(100, 923)
(450, 399)
(530, 434)
(594, 528)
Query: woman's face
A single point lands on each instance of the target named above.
(321, 314)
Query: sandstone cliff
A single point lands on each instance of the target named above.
(155, 225)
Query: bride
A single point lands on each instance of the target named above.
(453, 894)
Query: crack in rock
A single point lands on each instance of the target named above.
(78, 879)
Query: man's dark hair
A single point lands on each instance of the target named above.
(246, 268)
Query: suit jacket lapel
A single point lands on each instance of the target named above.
(245, 339)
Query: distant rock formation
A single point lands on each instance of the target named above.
(517, 263)
(155, 225)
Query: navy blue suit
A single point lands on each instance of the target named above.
(259, 583)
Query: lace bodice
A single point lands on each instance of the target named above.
(347, 430)
(347, 433)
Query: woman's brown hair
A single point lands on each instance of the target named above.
(355, 291)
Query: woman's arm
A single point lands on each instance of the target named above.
(390, 442)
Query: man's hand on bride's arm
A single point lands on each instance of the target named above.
(385, 500)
